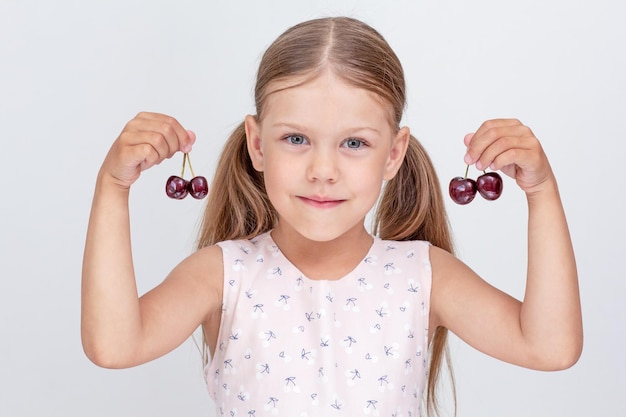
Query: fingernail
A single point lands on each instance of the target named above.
(467, 159)
(479, 166)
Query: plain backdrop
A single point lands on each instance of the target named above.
(73, 73)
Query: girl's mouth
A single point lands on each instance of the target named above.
(321, 201)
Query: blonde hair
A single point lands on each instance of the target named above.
(411, 206)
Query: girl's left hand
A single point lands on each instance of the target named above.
(509, 146)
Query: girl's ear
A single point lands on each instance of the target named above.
(397, 152)
(253, 140)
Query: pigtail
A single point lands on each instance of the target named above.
(412, 208)
(237, 204)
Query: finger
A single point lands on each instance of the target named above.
(496, 123)
(156, 140)
(192, 139)
(488, 132)
(158, 134)
(484, 138)
(178, 137)
(499, 146)
(467, 139)
(144, 156)
(151, 156)
(169, 122)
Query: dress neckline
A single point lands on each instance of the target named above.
(353, 272)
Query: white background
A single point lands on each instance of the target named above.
(73, 73)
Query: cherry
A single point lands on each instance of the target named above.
(489, 185)
(176, 187)
(462, 190)
(198, 187)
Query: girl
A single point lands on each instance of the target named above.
(304, 312)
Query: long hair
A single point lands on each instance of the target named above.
(411, 206)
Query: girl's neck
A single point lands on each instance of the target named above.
(329, 260)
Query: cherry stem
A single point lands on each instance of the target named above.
(190, 167)
(182, 171)
(466, 170)
(186, 160)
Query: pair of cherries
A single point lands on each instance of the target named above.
(463, 189)
(178, 187)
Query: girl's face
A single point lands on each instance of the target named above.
(325, 148)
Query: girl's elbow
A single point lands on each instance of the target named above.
(571, 358)
(563, 358)
(102, 355)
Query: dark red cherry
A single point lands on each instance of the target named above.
(176, 187)
(198, 187)
(489, 185)
(462, 190)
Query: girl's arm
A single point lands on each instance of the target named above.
(545, 330)
(118, 328)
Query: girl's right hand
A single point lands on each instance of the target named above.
(145, 141)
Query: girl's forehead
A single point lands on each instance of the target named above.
(324, 93)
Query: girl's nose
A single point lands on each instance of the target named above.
(323, 166)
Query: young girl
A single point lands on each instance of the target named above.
(304, 312)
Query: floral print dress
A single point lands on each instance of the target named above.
(292, 346)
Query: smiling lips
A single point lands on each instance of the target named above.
(320, 201)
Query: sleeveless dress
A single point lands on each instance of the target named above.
(292, 346)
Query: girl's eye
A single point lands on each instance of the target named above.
(353, 143)
(296, 139)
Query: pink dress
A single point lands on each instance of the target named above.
(297, 347)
